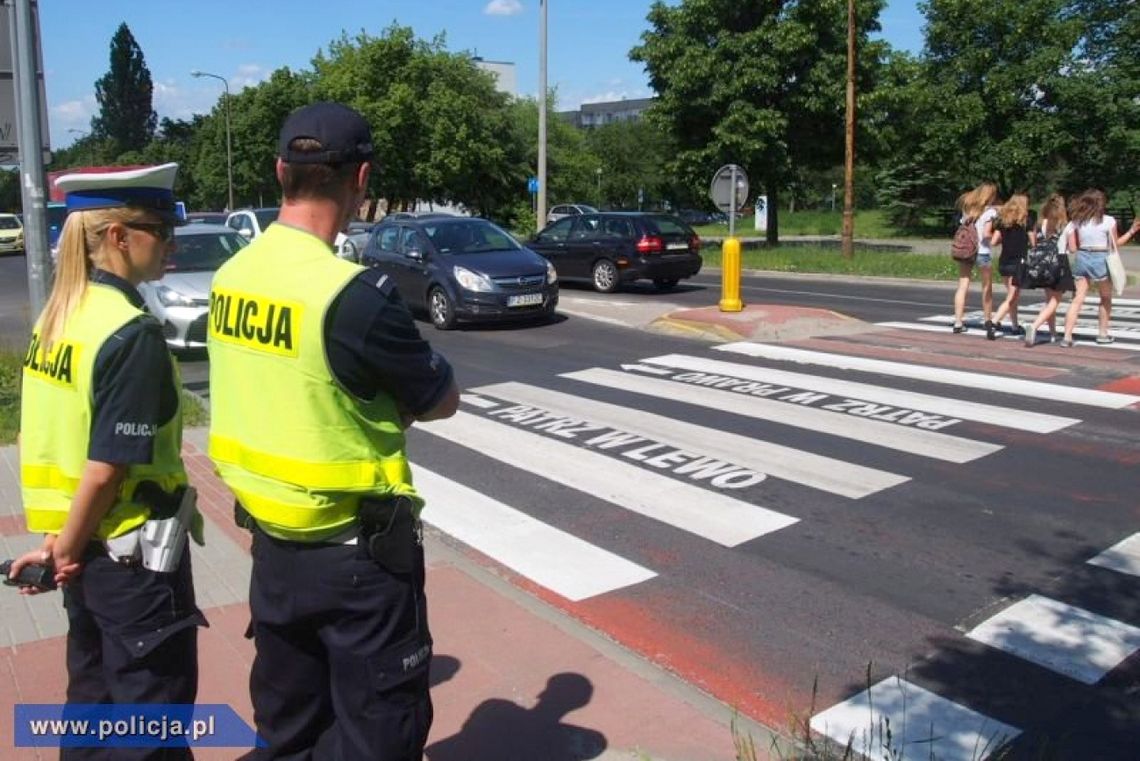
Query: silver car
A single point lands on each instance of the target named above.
(181, 299)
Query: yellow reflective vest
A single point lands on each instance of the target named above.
(55, 420)
(296, 448)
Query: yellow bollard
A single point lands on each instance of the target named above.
(730, 276)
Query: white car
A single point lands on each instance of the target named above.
(180, 300)
(558, 211)
(11, 234)
(250, 223)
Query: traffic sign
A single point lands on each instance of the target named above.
(532, 185)
(721, 190)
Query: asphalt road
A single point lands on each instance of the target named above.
(788, 527)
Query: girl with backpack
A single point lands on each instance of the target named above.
(1053, 230)
(977, 206)
(1092, 236)
(1012, 229)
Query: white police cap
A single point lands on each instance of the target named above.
(150, 187)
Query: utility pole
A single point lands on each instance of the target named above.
(30, 145)
(540, 209)
(849, 163)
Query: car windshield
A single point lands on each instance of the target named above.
(9, 223)
(199, 252)
(587, 209)
(469, 237)
(266, 217)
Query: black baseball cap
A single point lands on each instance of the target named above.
(343, 133)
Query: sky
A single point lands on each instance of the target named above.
(244, 41)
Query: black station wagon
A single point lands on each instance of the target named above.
(611, 248)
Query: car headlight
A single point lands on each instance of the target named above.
(551, 274)
(472, 281)
(169, 297)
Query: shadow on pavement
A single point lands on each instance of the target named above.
(502, 730)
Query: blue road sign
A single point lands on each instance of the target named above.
(532, 185)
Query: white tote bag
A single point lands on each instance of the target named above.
(1116, 269)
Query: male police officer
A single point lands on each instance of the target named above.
(316, 369)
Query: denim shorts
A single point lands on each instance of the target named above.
(1091, 264)
(984, 260)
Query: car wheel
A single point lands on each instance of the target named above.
(605, 276)
(440, 309)
(665, 283)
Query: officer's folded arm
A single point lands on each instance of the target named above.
(97, 491)
(444, 408)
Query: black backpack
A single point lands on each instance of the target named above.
(1042, 267)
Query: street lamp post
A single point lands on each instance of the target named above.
(229, 148)
(598, 171)
(833, 188)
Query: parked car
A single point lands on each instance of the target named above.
(206, 218)
(252, 222)
(562, 210)
(695, 217)
(611, 248)
(462, 268)
(181, 299)
(11, 234)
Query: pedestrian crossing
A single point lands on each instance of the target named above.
(1124, 325)
(712, 443)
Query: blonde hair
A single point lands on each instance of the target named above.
(80, 246)
(1088, 206)
(1053, 216)
(974, 202)
(1015, 211)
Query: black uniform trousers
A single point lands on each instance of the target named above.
(343, 651)
(132, 638)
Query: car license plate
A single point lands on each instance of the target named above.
(524, 300)
(677, 247)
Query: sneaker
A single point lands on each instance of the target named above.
(1105, 340)
(959, 327)
(1066, 343)
(991, 330)
(1030, 335)
(1018, 329)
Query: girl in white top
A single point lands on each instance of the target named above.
(1092, 235)
(978, 205)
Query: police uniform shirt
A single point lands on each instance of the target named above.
(131, 385)
(373, 345)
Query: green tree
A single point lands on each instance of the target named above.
(757, 84)
(256, 116)
(441, 130)
(126, 117)
(632, 158)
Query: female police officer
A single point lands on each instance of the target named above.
(101, 415)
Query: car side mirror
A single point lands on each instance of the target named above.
(415, 253)
(245, 232)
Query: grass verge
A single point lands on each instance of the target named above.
(193, 412)
(869, 224)
(867, 262)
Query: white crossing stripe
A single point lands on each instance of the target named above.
(1021, 420)
(548, 556)
(478, 401)
(921, 725)
(940, 446)
(1072, 641)
(817, 471)
(1015, 386)
(707, 514)
(1124, 556)
(979, 332)
(1115, 301)
(1083, 328)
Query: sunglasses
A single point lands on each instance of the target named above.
(161, 230)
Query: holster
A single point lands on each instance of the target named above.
(163, 537)
(390, 532)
